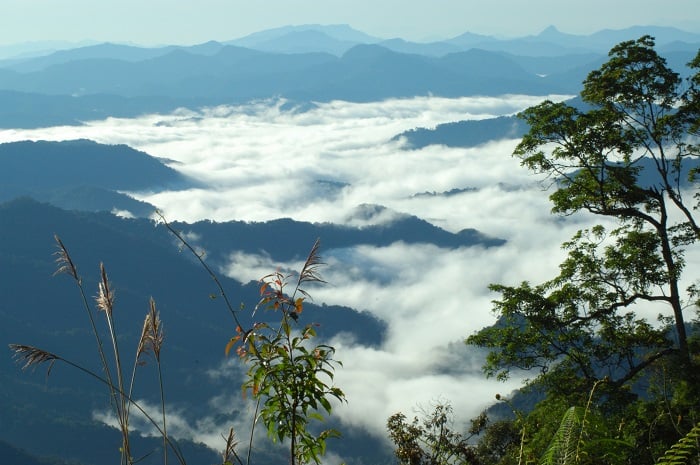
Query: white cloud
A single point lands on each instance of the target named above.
(259, 162)
(122, 213)
(207, 430)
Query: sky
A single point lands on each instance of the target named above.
(430, 297)
(185, 22)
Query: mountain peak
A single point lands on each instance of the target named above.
(550, 31)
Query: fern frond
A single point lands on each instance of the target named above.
(686, 451)
(562, 449)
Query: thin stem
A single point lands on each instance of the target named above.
(252, 429)
(206, 267)
(67, 265)
(23, 351)
(162, 407)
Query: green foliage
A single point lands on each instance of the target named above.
(685, 451)
(626, 154)
(290, 380)
(621, 158)
(432, 441)
(570, 328)
(564, 448)
(499, 443)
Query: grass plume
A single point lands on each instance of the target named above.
(30, 357)
(64, 261)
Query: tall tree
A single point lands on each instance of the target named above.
(625, 154)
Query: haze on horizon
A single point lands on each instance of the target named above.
(183, 22)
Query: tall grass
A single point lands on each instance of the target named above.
(120, 391)
(289, 379)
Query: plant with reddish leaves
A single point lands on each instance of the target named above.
(290, 378)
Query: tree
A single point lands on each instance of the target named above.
(627, 154)
(432, 440)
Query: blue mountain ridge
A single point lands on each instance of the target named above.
(142, 261)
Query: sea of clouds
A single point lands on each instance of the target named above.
(261, 161)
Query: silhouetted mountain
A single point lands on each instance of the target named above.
(100, 51)
(372, 72)
(42, 165)
(35, 110)
(109, 51)
(10, 455)
(552, 42)
(664, 36)
(430, 49)
(466, 133)
(548, 65)
(470, 40)
(342, 35)
(38, 48)
(83, 198)
(286, 239)
(304, 41)
(141, 261)
(115, 80)
(83, 175)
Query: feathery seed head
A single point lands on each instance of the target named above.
(105, 295)
(152, 333)
(64, 261)
(31, 356)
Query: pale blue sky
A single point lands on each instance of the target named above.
(150, 22)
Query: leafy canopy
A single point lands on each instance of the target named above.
(623, 156)
(626, 152)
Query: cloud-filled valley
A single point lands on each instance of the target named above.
(261, 161)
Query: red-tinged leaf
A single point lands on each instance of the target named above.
(299, 305)
(263, 288)
(230, 344)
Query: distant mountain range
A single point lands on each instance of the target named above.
(70, 187)
(143, 261)
(339, 38)
(302, 64)
(51, 417)
(83, 175)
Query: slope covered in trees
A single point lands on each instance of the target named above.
(585, 333)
